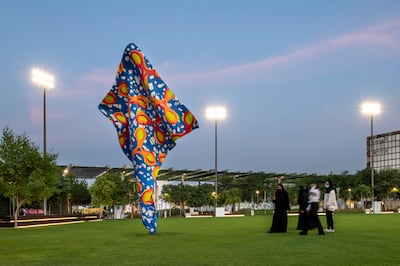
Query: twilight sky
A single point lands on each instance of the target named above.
(291, 74)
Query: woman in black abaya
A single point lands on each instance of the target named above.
(282, 207)
(302, 200)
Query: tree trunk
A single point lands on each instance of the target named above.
(68, 206)
(45, 206)
(16, 218)
(18, 204)
(363, 205)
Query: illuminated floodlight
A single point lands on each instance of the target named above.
(371, 108)
(42, 78)
(216, 113)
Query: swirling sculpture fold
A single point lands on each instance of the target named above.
(148, 119)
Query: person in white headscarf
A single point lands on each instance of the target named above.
(330, 205)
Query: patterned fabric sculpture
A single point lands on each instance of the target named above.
(149, 119)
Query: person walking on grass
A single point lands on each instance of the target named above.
(330, 205)
(302, 200)
(282, 207)
(312, 210)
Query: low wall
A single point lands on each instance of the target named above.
(40, 220)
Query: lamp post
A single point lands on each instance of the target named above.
(371, 109)
(46, 81)
(265, 197)
(349, 190)
(182, 200)
(216, 113)
(257, 192)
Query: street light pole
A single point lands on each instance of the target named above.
(371, 149)
(216, 113)
(257, 192)
(371, 109)
(46, 81)
(44, 121)
(216, 161)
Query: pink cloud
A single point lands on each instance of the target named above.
(91, 84)
(384, 35)
(100, 76)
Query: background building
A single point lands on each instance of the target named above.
(385, 149)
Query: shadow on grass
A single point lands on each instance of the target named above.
(158, 234)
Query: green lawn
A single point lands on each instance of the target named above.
(360, 239)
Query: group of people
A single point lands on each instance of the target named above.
(309, 204)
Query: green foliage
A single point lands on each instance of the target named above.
(102, 191)
(64, 185)
(80, 194)
(359, 183)
(230, 196)
(172, 193)
(62, 192)
(249, 185)
(111, 189)
(361, 191)
(385, 181)
(201, 195)
(195, 196)
(122, 188)
(293, 193)
(26, 174)
(232, 189)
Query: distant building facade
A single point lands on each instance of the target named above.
(385, 149)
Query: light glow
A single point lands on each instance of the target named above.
(371, 108)
(42, 78)
(216, 113)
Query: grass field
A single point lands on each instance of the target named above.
(360, 239)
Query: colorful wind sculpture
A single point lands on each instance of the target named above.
(148, 119)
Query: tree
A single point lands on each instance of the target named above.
(62, 192)
(230, 196)
(172, 193)
(203, 195)
(80, 194)
(122, 188)
(102, 191)
(385, 181)
(249, 185)
(111, 189)
(69, 191)
(194, 196)
(26, 174)
(362, 192)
